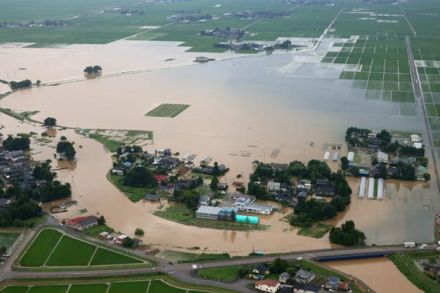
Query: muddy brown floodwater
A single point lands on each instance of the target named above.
(379, 274)
(276, 108)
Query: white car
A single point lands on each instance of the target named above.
(423, 246)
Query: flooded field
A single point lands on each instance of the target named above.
(275, 108)
(379, 274)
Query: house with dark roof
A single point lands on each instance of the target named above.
(304, 277)
(152, 197)
(325, 188)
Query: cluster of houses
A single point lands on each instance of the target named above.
(228, 33)
(166, 165)
(16, 169)
(249, 14)
(303, 281)
(42, 24)
(431, 267)
(84, 223)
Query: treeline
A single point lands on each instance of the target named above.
(140, 176)
(93, 69)
(16, 143)
(15, 85)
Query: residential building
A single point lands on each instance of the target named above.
(205, 200)
(152, 197)
(382, 157)
(325, 188)
(304, 277)
(273, 186)
(332, 283)
(270, 286)
(299, 288)
(284, 277)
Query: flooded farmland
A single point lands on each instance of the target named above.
(275, 108)
(379, 274)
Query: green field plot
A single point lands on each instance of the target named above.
(88, 288)
(15, 289)
(132, 287)
(167, 110)
(71, 252)
(49, 289)
(52, 249)
(40, 248)
(159, 286)
(225, 274)
(139, 285)
(108, 257)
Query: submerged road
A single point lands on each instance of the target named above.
(421, 101)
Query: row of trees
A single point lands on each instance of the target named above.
(93, 69)
(15, 85)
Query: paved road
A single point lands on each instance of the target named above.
(182, 272)
(421, 101)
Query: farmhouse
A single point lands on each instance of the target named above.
(273, 186)
(82, 223)
(325, 188)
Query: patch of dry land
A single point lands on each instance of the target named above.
(275, 108)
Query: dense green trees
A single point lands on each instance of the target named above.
(344, 163)
(278, 266)
(188, 197)
(22, 208)
(347, 235)
(42, 171)
(140, 177)
(52, 191)
(50, 122)
(66, 149)
(93, 69)
(213, 184)
(15, 85)
(17, 143)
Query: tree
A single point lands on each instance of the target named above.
(52, 191)
(50, 122)
(214, 182)
(43, 171)
(278, 266)
(101, 220)
(66, 149)
(140, 177)
(139, 232)
(427, 176)
(128, 242)
(15, 85)
(344, 163)
(329, 211)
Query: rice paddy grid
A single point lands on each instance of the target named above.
(136, 286)
(379, 71)
(87, 254)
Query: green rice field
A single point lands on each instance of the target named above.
(51, 248)
(167, 110)
(142, 286)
